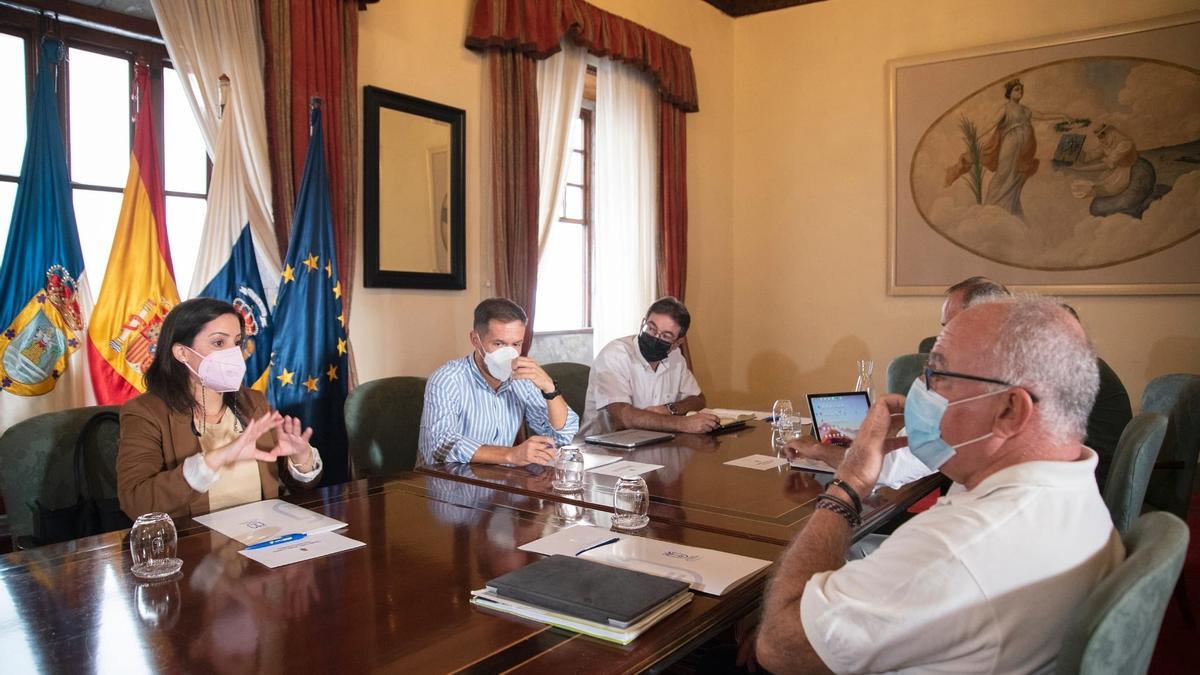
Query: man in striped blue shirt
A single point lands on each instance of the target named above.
(474, 406)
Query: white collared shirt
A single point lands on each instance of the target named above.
(983, 582)
(620, 374)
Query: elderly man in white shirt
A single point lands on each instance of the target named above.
(986, 580)
(643, 382)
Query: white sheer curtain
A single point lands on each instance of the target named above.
(207, 39)
(560, 93)
(626, 201)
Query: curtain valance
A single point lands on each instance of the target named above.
(536, 27)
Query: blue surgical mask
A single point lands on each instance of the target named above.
(923, 411)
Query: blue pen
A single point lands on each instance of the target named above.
(603, 543)
(281, 540)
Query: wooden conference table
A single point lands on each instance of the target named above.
(398, 604)
(697, 490)
(401, 602)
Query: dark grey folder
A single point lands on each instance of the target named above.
(587, 590)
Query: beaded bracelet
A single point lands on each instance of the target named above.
(849, 491)
(840, 507)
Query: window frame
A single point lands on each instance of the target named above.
(111, 34)
(587, 118)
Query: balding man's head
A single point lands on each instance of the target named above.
(968, 292)
(1033, 343)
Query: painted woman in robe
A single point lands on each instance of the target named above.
(1010, 151)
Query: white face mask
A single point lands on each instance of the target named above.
(499, 362)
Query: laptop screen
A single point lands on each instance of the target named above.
(838, 416)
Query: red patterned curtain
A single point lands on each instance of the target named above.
(533, 29)
(311, 49)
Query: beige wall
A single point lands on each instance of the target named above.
(786, 189)
(810, 208)
(415, 48)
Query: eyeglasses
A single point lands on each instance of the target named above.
(650, 330)
(929, 373)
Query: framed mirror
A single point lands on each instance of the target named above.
(414, 221)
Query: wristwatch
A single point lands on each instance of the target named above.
(671, 409)
(550, 396)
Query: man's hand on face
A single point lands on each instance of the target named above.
(525, 368)
(864, 459)
(535, 450)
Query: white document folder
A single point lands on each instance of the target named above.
(267, 519)
(708, 571)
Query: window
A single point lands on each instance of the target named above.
(95, 83)
(564, 287)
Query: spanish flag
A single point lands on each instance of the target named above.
(139, 285)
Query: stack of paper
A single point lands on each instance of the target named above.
(488, 599)
(271, 519)
(706, 570)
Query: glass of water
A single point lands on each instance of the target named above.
(152, 544)
(782, 413)
(568, 469)
(631, 502)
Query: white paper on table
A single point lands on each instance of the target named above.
(312, 546)
(730, 412)
(592, 460)
(625, 468)
(707, 570)
(266, 520)
(811, 465)
(760, 462)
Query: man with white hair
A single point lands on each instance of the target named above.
(986, 580)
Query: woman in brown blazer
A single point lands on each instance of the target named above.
(198, 440)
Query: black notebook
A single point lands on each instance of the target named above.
(587, 590)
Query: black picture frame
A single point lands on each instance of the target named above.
(375, 99)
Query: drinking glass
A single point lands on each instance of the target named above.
(631, 502)
(152, 544)
(568, 469)
(782, 413)
(864, 381)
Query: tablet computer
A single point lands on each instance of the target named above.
(629, 438)
(837, 416)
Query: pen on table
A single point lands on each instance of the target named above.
(280, 540)
(606, 542)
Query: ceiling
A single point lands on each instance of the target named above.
(139, 8)
(737, 8)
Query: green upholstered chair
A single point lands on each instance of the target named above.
(1131, 466)
(572, 379)
(38, 460)
(1177, 396)
(927, 344)
(1114, 630)
(903, 370)
(383, 424)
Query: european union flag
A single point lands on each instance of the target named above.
(308, 365)
(44, 298)
(238, 283)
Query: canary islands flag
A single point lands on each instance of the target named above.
(308, 366)
(44, 297)
(139, 285)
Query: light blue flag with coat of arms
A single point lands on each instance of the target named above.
(44, 298)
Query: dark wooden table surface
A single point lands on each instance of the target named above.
(398, 604)
(695, 487)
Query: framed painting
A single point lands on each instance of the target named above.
(1068, 164)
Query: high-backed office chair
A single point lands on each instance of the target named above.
(1114, 630)
(383, 424)
(903, 370)
(1131, 466)
(1178, 397)
(37, 466)
(572, 379)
